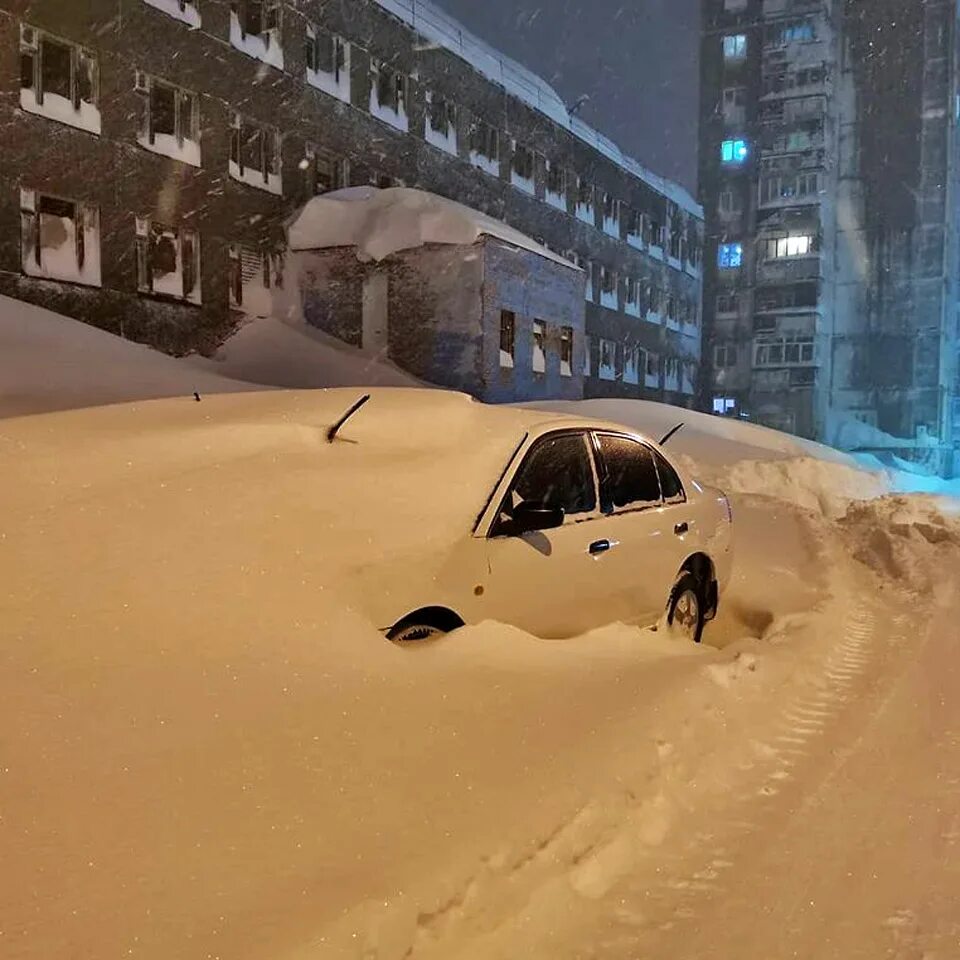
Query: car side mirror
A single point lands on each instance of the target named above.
(530, 516)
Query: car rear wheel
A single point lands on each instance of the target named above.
(686, 610)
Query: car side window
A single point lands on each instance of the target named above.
(629, 475)
(558, 473)
(669, 480)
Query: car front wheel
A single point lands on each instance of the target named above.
(686, 611)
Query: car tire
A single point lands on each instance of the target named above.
(686, 609)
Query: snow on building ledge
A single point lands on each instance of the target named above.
(264, 46)
(439, 27)
(383, 222)
(184, 10)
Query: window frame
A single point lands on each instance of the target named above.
(493, 528)
(147, 231)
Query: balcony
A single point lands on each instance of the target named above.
(789, 269)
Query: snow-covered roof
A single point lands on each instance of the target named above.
(439, 27)
(382, 222)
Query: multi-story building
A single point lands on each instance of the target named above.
(828, 176)
(154, 149)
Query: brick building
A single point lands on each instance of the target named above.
(153, 150)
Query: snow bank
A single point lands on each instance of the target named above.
(290, 354)
(49, 362)
(382, 222)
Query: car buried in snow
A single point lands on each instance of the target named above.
(582, 523)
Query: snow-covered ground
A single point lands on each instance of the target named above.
(206, 752)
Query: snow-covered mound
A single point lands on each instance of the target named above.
(283, 353)
(382, 222)
(50, 362)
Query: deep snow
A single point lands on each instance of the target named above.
(207, 752)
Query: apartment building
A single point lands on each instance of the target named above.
(828, 177)
(155, 149)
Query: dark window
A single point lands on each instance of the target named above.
(508, 327)
(556, 180)
(485, 140)
(523, 162)
(163, 109)
(557, 473)
(566, 349)
(630, 477)
(56, 68)
(669, 481)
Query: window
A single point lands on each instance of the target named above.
(734, 6)
(632, 362)
(255, 29)
(441, 129)
(724, 355)
(59, 80)
(539, 346)
(724, 406)
(608, 289)
(655, 299)
(677, 242)
(255, 155)
(728, 303)
(566, 351)
(585, 202)
(729, 203)
(254, 272)
(734, 152)
(734, 46)
(652, 376)
(169, 120)
(790, 31)
(556, 185)
(635, 228)
(508, 332)
(556, 473)
(670, 485)
(185, 10)
(388, 95)
(587, 267)
(607, 360)
(730, 256)
(793, 295)
(611, 215)
(168, 261)
(789, 186)
(734, 96)
(521, 167)
(323, 170)
(632, 297)
(60, 239)
(653, 231)
(781, 248)
(784, 351)
(587, 368)
(485, 147)
(629, 474)
(328, 62)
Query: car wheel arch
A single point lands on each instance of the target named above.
(441, 618)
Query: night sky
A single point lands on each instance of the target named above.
(637, 59)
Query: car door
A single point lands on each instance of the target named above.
(549, 582)
(647, 551)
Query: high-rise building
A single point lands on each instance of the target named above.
(828, 178)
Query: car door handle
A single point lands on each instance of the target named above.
(599, 546)
(681, 528)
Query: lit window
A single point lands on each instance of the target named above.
(730, 256)
(508, 327)
(60, 239)
(539, 346)
(734, 151)
(168, 261)
(169, 120)
(59, 80)
(724, 406)
(566, 351)
(735, 46)
(783, 247)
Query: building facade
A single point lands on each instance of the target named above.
(828, 177)
(154, 150)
